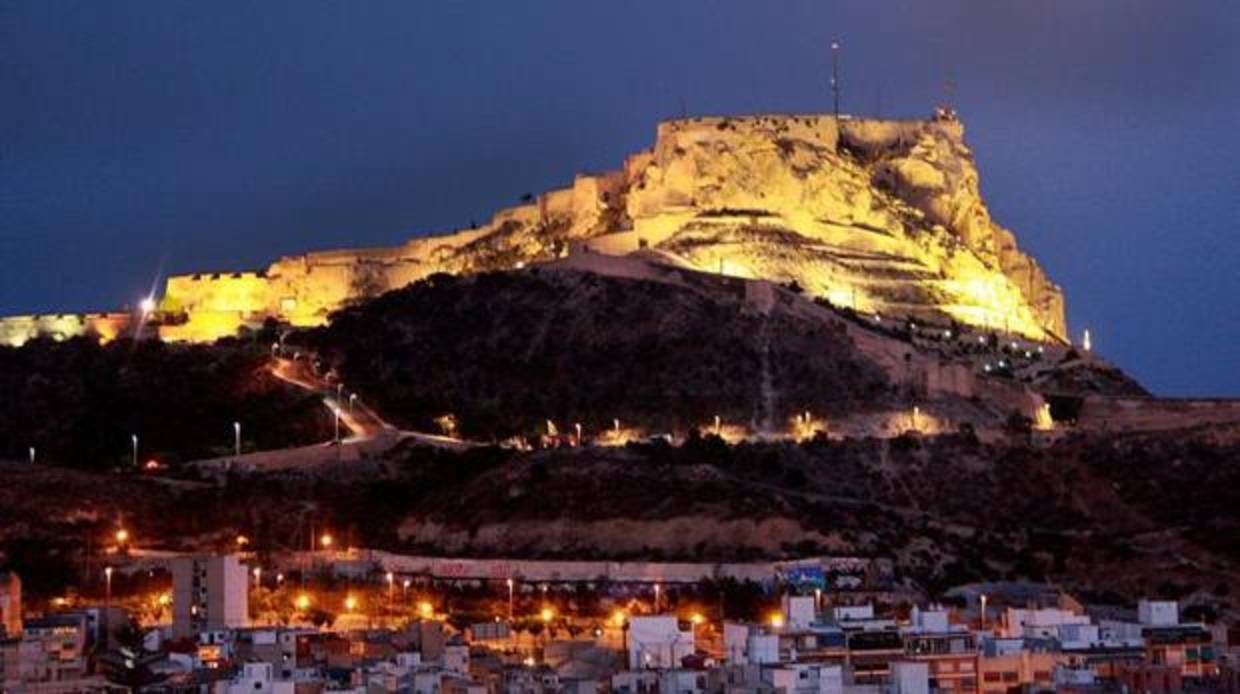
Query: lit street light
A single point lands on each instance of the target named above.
(107, 595)
(510, 585)
(237, 438)
(352, 399)
(326, 541)
(32, 455)
(134, 439)
(391, 587)
(258, 577)
(983, 611)
(656, 598)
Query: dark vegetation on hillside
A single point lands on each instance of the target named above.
(504, 352)
(1113, 517)
(78, 402)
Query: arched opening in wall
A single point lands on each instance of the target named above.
(1065, 408)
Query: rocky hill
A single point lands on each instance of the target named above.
(877, 215)
(504, 353)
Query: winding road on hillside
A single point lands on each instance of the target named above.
(359, 418)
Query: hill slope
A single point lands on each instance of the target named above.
(505, 352)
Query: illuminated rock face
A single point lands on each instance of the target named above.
(882, 216)
(878, 215)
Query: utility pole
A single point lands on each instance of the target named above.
(835, 76)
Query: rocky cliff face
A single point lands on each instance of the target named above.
(880, 216)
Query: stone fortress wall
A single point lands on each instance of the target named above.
(15, 330)
(697, 197)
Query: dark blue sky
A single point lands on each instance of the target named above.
(139, 137)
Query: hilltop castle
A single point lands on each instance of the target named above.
(878, 215)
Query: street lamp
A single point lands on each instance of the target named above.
(404, 589)
(258, 577)
(326, 541)
(510, 585)
(352, 399)
(122, 536)
(107, 595)
(983, 610)
(32, 455)
(391, 587)
(656, 598)
(237, 438)
(134, 439)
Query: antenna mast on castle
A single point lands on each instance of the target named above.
(835, 76)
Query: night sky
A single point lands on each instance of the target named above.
(139, 138)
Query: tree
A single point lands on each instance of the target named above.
(368, 281)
